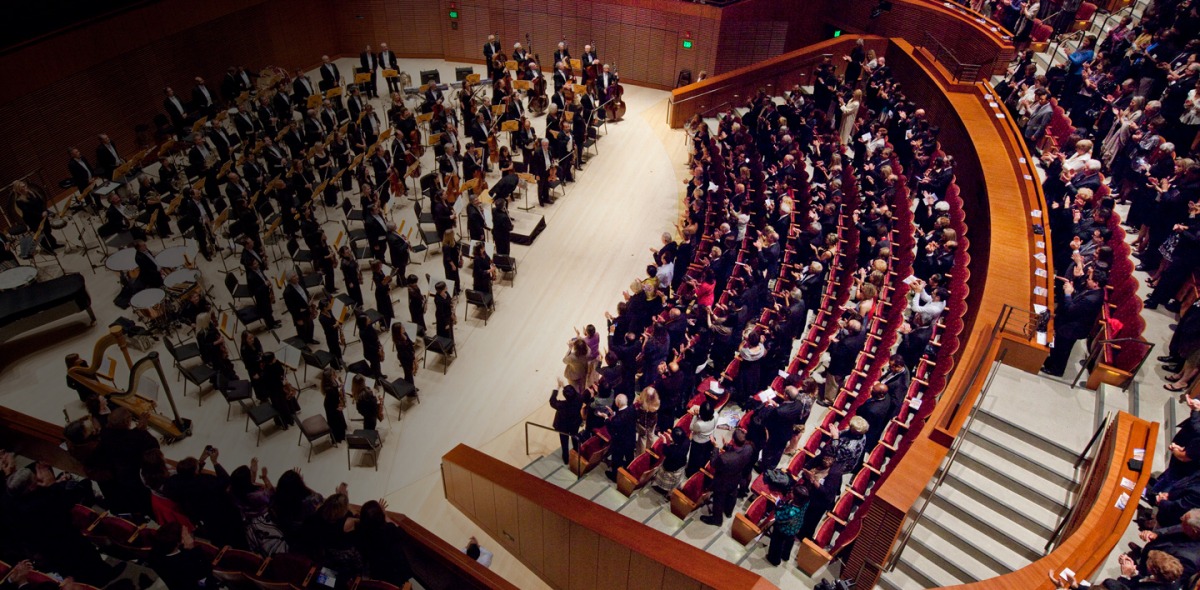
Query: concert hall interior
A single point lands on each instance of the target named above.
(609, 294)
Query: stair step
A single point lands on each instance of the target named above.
(562, 477)
(1030, 470)
(1021, 541)
(1015, 509)
(949, 558)
(990, 551)
(698, 534)
(991, 473)
(1033, 439)
(644, 506)
(542, 467)
(925, 572)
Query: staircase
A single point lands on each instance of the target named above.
(651, 509)
(998, 506)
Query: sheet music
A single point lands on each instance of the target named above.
(148, 388)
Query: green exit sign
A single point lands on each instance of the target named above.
(837, 33)
(687, 43)
(453, 14)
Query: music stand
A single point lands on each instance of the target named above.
(428, 76)
(314, 101)
(474, 78)
(461, 74)
(528, 179)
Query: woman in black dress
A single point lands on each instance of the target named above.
(335, 402)
(383, 297)
(406, 351)
(416, 303)
(451, 259)
(351, 274)
(275, 382)
(252, 352)
(483, 272)
(369, 406)
(372, 350)
(444, 311)
(333, 333)
(502, 227)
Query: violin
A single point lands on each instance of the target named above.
(481, 184)
(552, 175)
(396, 182)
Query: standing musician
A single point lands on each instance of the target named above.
(590, 103)
(298, 303)
(562, 75)
(490, 50)
(433, 97)
(107, 158)
(501, 88)
(540, 165)
(351, 274)
(369, 64)
(334, 338)
(587, 60)
(605, 82)
(387, 61)
(520, 56)
(196, 213)
(32, 207)
(331, 76)
(247, 124)
(562, 55)
(369, 124)
(525, 139)
(262, 291)
(324, 260)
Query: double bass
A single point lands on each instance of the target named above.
(614, 108)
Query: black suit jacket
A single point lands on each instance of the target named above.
(622, 429)
(178, 117)
(331, 76)
(844, 352)
(201, 102)
(364, 62)
(81, 174)
(729, 467)
(537, 164)
(300, 91)
(1076, 314)
(106, 162)
(567, 410)
(148, 271)
(295, 303)
(387, 60)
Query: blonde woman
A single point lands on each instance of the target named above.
(647, 405)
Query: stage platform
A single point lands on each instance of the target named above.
(527, 225)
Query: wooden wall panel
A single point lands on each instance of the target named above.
(677, 581)
(457, 482)
(532, 535)
(614, 572)
(556, 550)
(645, 573)
(485, 502)
(585, 563)
(108, 77)
(507, 519)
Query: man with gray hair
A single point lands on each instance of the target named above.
(1181, 541)
(296, 298)
(784, 422)
(622, 431)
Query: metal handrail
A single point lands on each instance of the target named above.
(543, 427)
(906, 534)
(963, 72)
(1098, 346)
(1061, 528)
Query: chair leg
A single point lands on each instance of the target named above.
(258, 437)
(347, 456)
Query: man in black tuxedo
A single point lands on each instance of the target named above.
(275, 155)
(1074, 319)
(877, 411)
(368, 63)
(490, 49)
(203, 99)
(729, 470)
(302, 88)
(283, 104)
(149, 273)
(260, 289)
(107, 157)
(561, 75)
(377, 232)
(604, 81)
(176, 110)
(540, 166)
(622, 430)
(562, 55)
(331, 76)
(388, 61)
(82, 174)
(198, 157)
(588, 58)
(246, 124)
(231, 85)
(296, 298)
(195, 212)
(115, 221)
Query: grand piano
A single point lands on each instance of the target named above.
(37, 304)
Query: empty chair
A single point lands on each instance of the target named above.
(482, 300)
(233, 567)
(83, 517)
(236, 290)
(284, 571)
(235, 392)
(401, 390)
(182, 353)
(312, 429)
(439, 345)
(364, 440)
(758, 517)
(507, 266)
(259, 414)
(198, 375)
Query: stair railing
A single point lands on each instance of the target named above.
(1091, 460)
(907, 532)
(543, 427)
